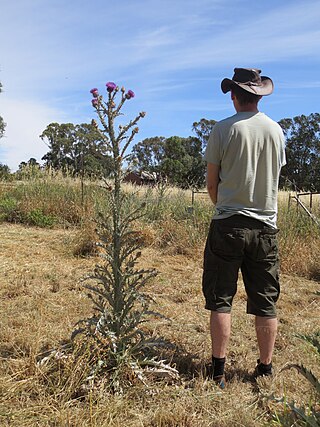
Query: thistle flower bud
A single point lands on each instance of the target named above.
(142, 114)
(111, 86)
(94, 92)
(123, 89)
(130, 94)
(95, 102)
(135, 130)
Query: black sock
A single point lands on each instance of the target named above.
(218, 366)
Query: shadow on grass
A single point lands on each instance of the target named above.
(314, 273)
(188, 364)
(191, 366)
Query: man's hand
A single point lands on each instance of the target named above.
(213, 181)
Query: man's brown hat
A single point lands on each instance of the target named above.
(250, 80)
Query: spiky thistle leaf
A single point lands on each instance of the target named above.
(306, 373)
(311, 339)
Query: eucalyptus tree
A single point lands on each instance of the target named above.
(202, 129)
(177, 158)
(302, 135)
(77, 149)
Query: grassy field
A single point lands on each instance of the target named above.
(42, 298)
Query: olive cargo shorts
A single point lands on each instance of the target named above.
(244, 243)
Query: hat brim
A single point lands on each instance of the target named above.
(263, 89)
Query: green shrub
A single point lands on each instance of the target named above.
(38, 218)
(56, 197)
(9, 210)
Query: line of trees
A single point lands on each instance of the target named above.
(302, 135)
(171, 156)
(78, 149)
(178, 159)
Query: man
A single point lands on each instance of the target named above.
(244, 157)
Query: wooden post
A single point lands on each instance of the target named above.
(299, 203)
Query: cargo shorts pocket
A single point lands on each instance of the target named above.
(209, 283)
(227, 241)
(267, 245)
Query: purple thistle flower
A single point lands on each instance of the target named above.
(95, 102)
(111, 86)
(130, 94)
(94, 92)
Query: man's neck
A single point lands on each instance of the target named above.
(248, 108)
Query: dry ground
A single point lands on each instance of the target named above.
(42, 298)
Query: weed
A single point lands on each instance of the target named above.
(38, 218)
(116, 286)
(9, 209)
(301, 415)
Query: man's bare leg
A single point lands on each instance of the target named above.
(266, 330)
(220, 328)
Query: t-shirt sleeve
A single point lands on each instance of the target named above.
(283, 160)
(213, 149)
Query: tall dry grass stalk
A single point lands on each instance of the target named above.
(299, 240)
(55, 196)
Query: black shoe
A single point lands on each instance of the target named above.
(220, 381)
(262, 370)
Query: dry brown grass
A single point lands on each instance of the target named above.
(299, 240)
(302, 257)
(41, 300)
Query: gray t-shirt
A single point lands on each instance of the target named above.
(249, 148)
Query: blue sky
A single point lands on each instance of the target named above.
(172, 54)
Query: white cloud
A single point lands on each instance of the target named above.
(301, 84)
(279, 34)
(25, 122)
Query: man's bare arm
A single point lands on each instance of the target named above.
(213, 181)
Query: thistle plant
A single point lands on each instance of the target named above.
(117, 284)
(302, 416)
